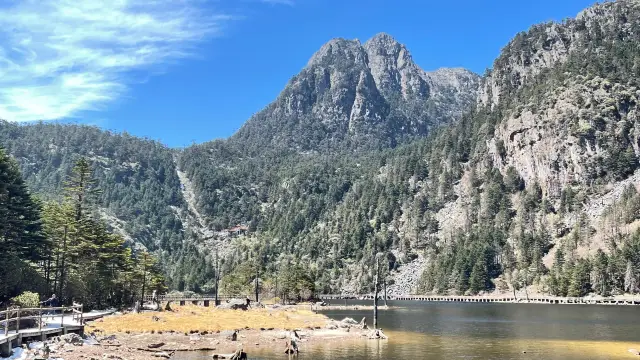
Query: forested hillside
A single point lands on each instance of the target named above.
(525, 179)
(63, 246)
(140, 193)
(515, 194)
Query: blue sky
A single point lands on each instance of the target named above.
(184, 71)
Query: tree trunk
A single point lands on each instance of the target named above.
(384, 284)
(62, 266)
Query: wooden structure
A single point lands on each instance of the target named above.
(630, 300)
(202, 300)
(48, 321)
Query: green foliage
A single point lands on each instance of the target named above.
(27, 299)
(296, 283)
(137, 177)
(64, 248)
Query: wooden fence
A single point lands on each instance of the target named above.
(16, 315)
(191, 298)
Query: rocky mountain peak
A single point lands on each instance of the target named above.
(383, 41)
(339, 50)
(393, 68)
(373, 91)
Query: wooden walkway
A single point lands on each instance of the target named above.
(496, 299)
(203, 300)
(69, 319)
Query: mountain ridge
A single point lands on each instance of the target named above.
(334, 93)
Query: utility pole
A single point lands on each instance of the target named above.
(275, 293)
(375, 294)
(217, 278)
(257, 276)
(144, 274)
(384, 284)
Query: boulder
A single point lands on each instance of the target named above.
(349, 321)
(73, 339)
(234, 304)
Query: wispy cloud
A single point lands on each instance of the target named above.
(60, 57)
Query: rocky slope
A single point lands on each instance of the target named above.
(352, 94)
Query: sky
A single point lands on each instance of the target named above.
(190, 71)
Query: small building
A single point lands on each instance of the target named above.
(238, 230)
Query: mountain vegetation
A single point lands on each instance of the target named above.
(522, 180)
(64, 247)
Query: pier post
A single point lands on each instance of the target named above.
(18, 323)
(5, 349)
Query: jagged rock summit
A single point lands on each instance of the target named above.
(370, 94)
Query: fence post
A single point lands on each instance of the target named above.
(81, 313)
(6, 323)
(18, 322)
(40, 315)
(62, 318)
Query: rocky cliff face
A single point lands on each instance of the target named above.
(547, 45)
(371, 94)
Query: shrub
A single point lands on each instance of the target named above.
(27, 299)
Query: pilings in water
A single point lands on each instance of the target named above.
(488, 299)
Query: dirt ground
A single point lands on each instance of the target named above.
(100, 344)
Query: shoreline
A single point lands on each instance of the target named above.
(155, 335)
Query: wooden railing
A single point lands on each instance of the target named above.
(18, 314)
(195, 297)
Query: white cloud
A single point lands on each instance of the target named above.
(60, 57)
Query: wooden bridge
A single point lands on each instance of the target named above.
(203, 300)
(624, 300)
(49, 321)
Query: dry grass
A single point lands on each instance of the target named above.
(194, 318)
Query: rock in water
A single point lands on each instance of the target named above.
(349, 321)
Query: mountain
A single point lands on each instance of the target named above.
(353, 95)
(525, 179)
(140, 190)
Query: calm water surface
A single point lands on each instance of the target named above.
(443, 331)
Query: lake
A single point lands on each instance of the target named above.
(442, 331)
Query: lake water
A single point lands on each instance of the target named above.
(442, 331)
